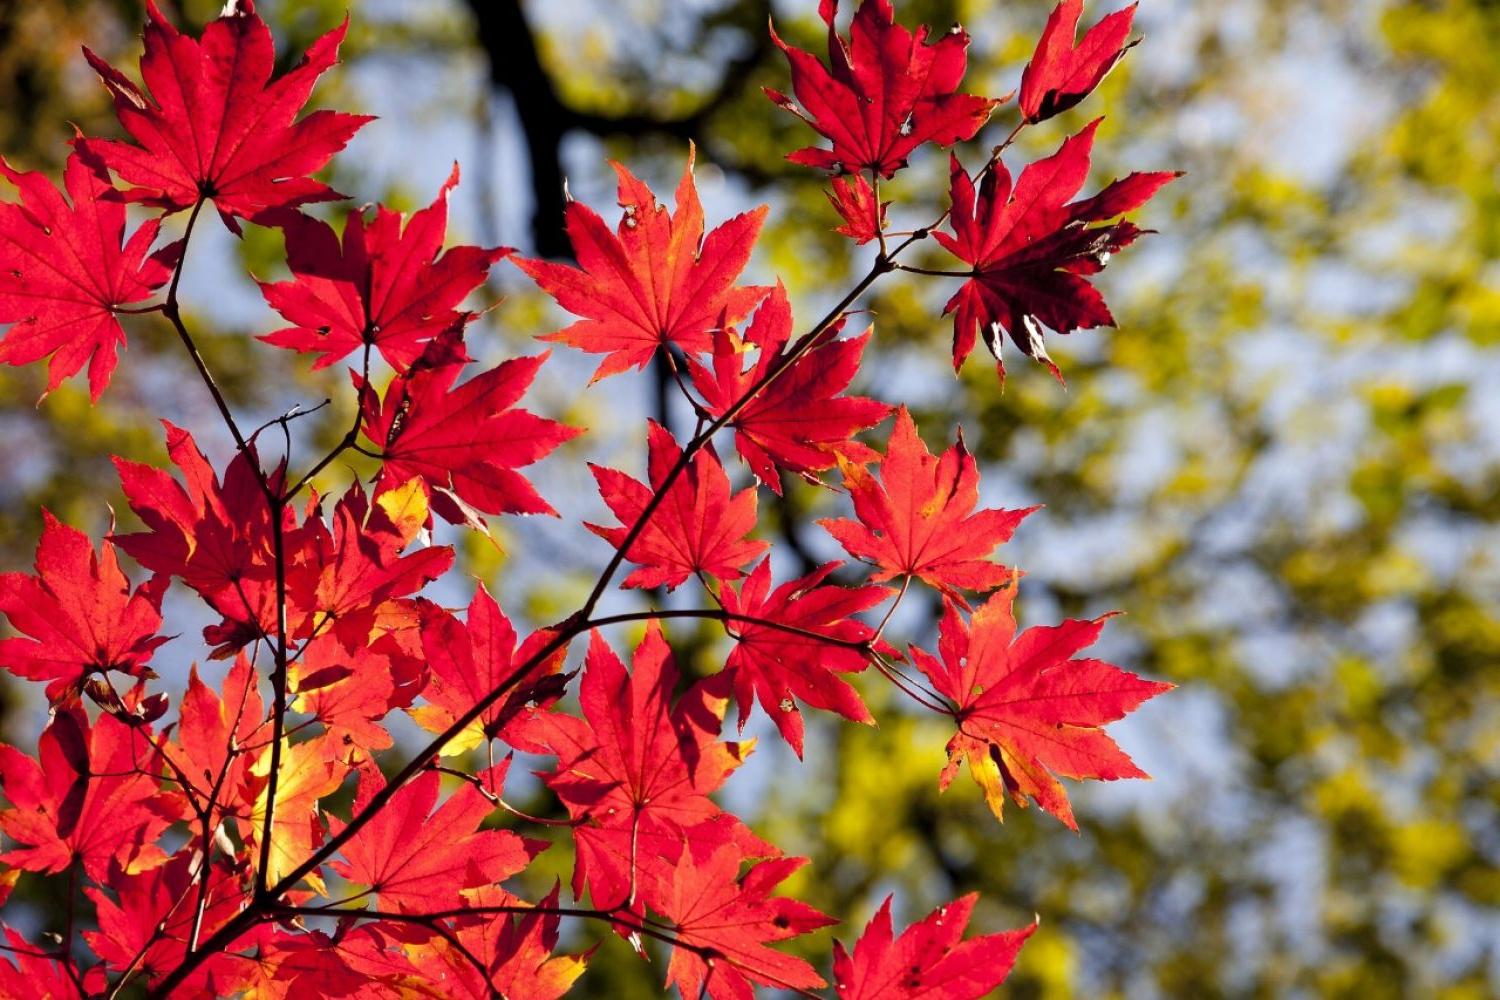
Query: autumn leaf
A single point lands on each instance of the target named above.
(206, 753)
(884, 92)
(78, 615)
(1026, 710)
(213, 125)
(308, 772)
(28, 970)
(655, 281)
(1062, 73)
(464, 443)
(860, 207)
(215, 537)
(713, 907)
(817, 639)
(469, 659)
(699, 527)
(146, 916)
(928, 960)
(1031, 250)
(66, 268)
(388, 285)
(91, 795)
(798, 421)
(418, 860)
(636, 768)
(918, 519)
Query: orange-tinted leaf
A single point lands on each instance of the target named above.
(1026, 710)
(699, 527)
(78, 614)
(654, 281)
(919, 518)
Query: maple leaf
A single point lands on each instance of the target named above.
(697, 528)
(637, 767)
(799, 421)
(385, 286)
(463, 444)
(930, 959)
(656, 281)
(778, 666)
(348, 573)
(884, 92)
(209, 731)
(1060, 73)
(471, 658)
(91, 795)
(735, 917)
(1030, 249)
(309, 771)
(216, 538)
(153, 914)
(213, 125)
(1026, 709)
(418, 862)
(65, 268)
(862, 210)
(350, 691)
(28, 970)
(78, 614)
(919, 520)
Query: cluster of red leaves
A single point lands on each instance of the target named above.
(204, 828)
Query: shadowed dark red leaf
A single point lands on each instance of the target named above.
(883, 93)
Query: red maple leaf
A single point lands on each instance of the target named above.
(862, 210)
(1030, 249)
(349, 692)
(92, 796)
(216, 538)
(151, 919)
(919, 518)
(345, 575)
(65, 267)
(210, 732)
(418, 860)
(469, 659)
(1026, 709)
(463, 443)
(385, 285)
(655, 281)
(884, 92)
(735, 917)
(36, 972)
(799, 421)
(1061, 73)
(697, 528)
(636, 767)
(929, 960)
(79, 613)
(213, 125)
(778, 666)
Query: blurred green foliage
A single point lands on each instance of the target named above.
(1284, 465)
